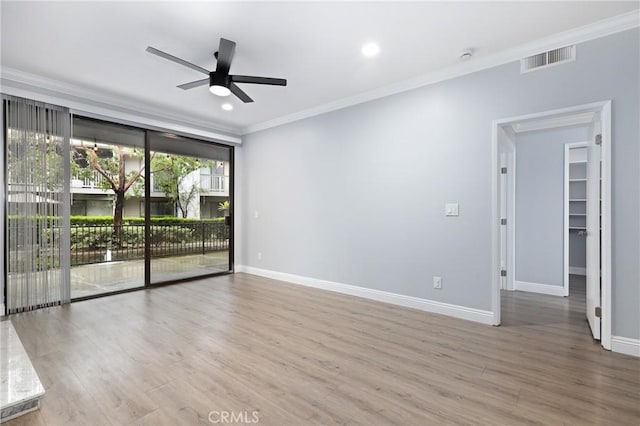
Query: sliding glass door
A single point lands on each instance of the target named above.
(93, 207)
(189, 208)
(107, 198)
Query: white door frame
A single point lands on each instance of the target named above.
(506, 138)
(603, 109)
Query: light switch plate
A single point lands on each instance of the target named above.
(437, 282)
(451, 209)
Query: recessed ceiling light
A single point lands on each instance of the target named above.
(370, 49)
(219, 90)
(227, 107)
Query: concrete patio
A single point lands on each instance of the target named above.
(97, 278)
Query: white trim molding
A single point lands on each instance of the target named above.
(625, 345)
(552, 290)
(457, 311)
(102, 105)
(579, 35)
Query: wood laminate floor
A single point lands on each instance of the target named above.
(186, 354)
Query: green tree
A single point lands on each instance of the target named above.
(224, 207)
(110, 164)
(171, 175)
(28, 167)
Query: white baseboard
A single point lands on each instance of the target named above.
(625, 345)
(553, 290)
(457, 311)
(576, 270)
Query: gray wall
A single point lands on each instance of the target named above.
(540, 203)
(317, 183)
(577, 250)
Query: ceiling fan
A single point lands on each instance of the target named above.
(221, 83)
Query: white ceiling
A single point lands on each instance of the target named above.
(316, 46)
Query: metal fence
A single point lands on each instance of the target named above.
(101, 243)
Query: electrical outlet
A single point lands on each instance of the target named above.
(259, 255)
(437, 282)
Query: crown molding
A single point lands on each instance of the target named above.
(578, 35)
(97, 103)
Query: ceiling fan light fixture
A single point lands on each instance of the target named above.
(219, 90)
(227, 107)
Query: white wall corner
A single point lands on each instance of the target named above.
(552, 290)
(456, 311)
(625, 345)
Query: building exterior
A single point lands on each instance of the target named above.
(90, 198)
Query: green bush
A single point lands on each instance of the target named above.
(132, 236)
(101, 237)
(175, 235)
(91, 220)
(97, 232)
(108, 220)
(91, 237)
(14, 220)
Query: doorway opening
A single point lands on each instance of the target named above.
(577, 201)
(539, 229)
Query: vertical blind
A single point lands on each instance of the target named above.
(36, 154)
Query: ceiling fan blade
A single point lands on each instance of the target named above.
(258, 80)
(225, 55)
(176, 60)
(193, 84)
(239, 93)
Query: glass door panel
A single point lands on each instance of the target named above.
(189, 208)
(107, 196)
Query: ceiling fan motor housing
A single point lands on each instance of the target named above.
(219, 80)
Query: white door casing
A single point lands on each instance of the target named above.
(600, 112)
(593, 232)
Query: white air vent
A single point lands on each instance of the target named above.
(549, 58)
